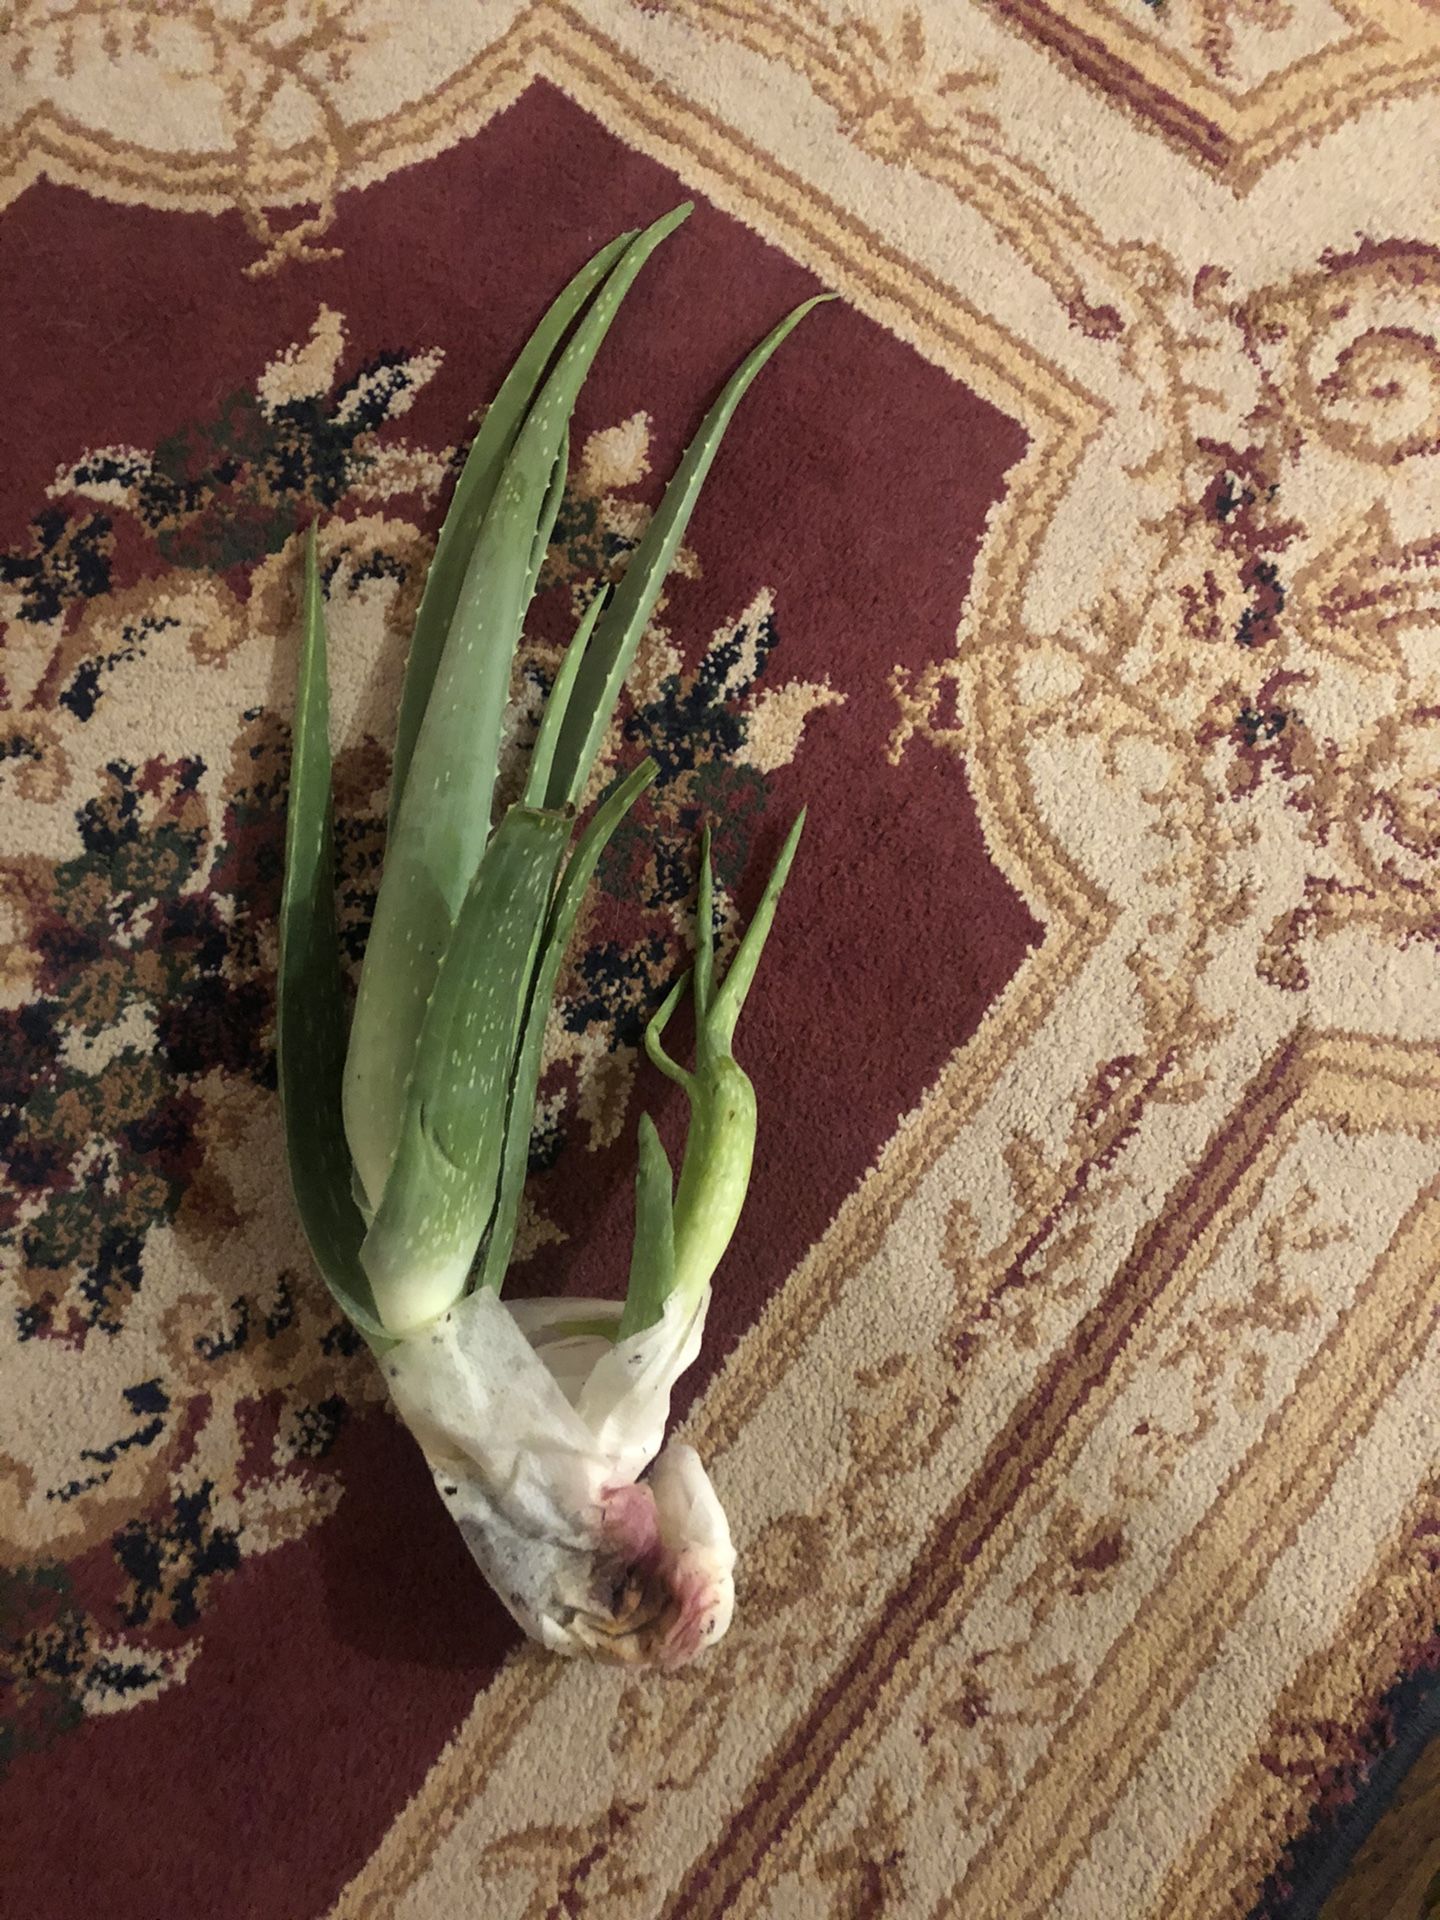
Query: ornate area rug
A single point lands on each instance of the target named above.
(1072, 1380)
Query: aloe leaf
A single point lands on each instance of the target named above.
(549, 514)
(659, 1020)
(704, 934)
(569, 897)
(652, 1263)
(720, 1027)
(310, 1008)
(470, 502)
(443, 821)
(538, 777)
(442, 1193)
(715, 1172)
(608, 659)
(720, 1140)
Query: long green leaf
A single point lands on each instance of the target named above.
(720, 1141)
(443, 821)
(569, 897)
(715, 1172)
(704, 933)
(608, 659)
(442, 1192)
(720, 1027)
(652, 1263)
(659, 1020)
(471, 499)
(549, 514)
(310, 1009)
(537, 778)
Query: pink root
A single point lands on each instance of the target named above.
(631, 1524)
(695, 1601)
(631, 1529)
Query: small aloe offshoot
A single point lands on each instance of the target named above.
(680, 1238)
(407, 1141)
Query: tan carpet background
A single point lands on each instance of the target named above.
(1082, 1453)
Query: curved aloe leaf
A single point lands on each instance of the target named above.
(659, 1020)
(608, 660)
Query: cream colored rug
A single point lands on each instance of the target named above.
(1072, 1382)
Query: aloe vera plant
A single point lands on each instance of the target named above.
(407, 1140)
